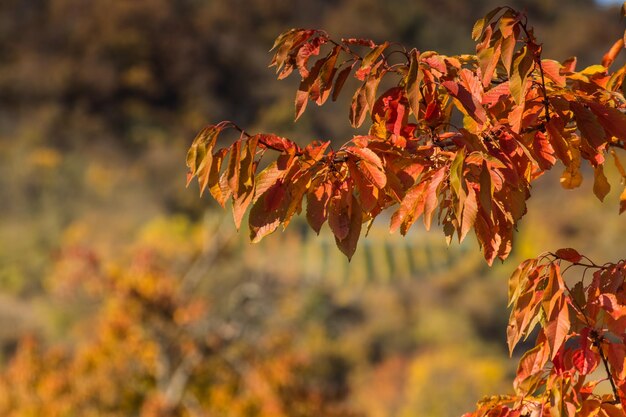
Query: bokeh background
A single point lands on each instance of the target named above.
(122, 293)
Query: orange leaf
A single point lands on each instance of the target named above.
(557, 328)
(470, 209)
(609, 57)
(430, 196)
(266, 178)
(531, 364)
(552, 70)
(217, 187)
(233, 169)
(411, 207)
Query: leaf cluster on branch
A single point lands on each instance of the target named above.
(582, 328)
(458, 140)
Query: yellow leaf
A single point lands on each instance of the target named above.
(622, 201)
(601, 186)
(571, 178)
(619, 165)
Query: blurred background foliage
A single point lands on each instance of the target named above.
(122, 293)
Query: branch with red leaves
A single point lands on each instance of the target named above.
(579, 328)
(521, 115)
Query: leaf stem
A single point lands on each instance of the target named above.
(597, 342)
(537, 57)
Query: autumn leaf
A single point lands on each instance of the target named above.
(340, 81)
(569, 255)
(348, 244)
(521, 68)
(339, 213)
(601, 186)
(358, 109)
(411, 207)
(609, 57)
(413, 81)
(317, 205)
(571, 177)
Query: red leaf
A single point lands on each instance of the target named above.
(588, 125)
(612, 120)
(339, 212)
(316, 207)
(616, 355)
(358, 109)
(359, 41)
(304, 91)
(340, 81)
(543, 151)
(585, 361)
(370, 165)
(277, 143)
(369, 60)
(610, 304)
(468, 103)
(368, 193)
(305, 52)
(262, 221)
(569, 254)
(349, 243)
(561, 147)
(274, 196)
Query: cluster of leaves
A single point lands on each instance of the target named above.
(582, 328)
(457, 137)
